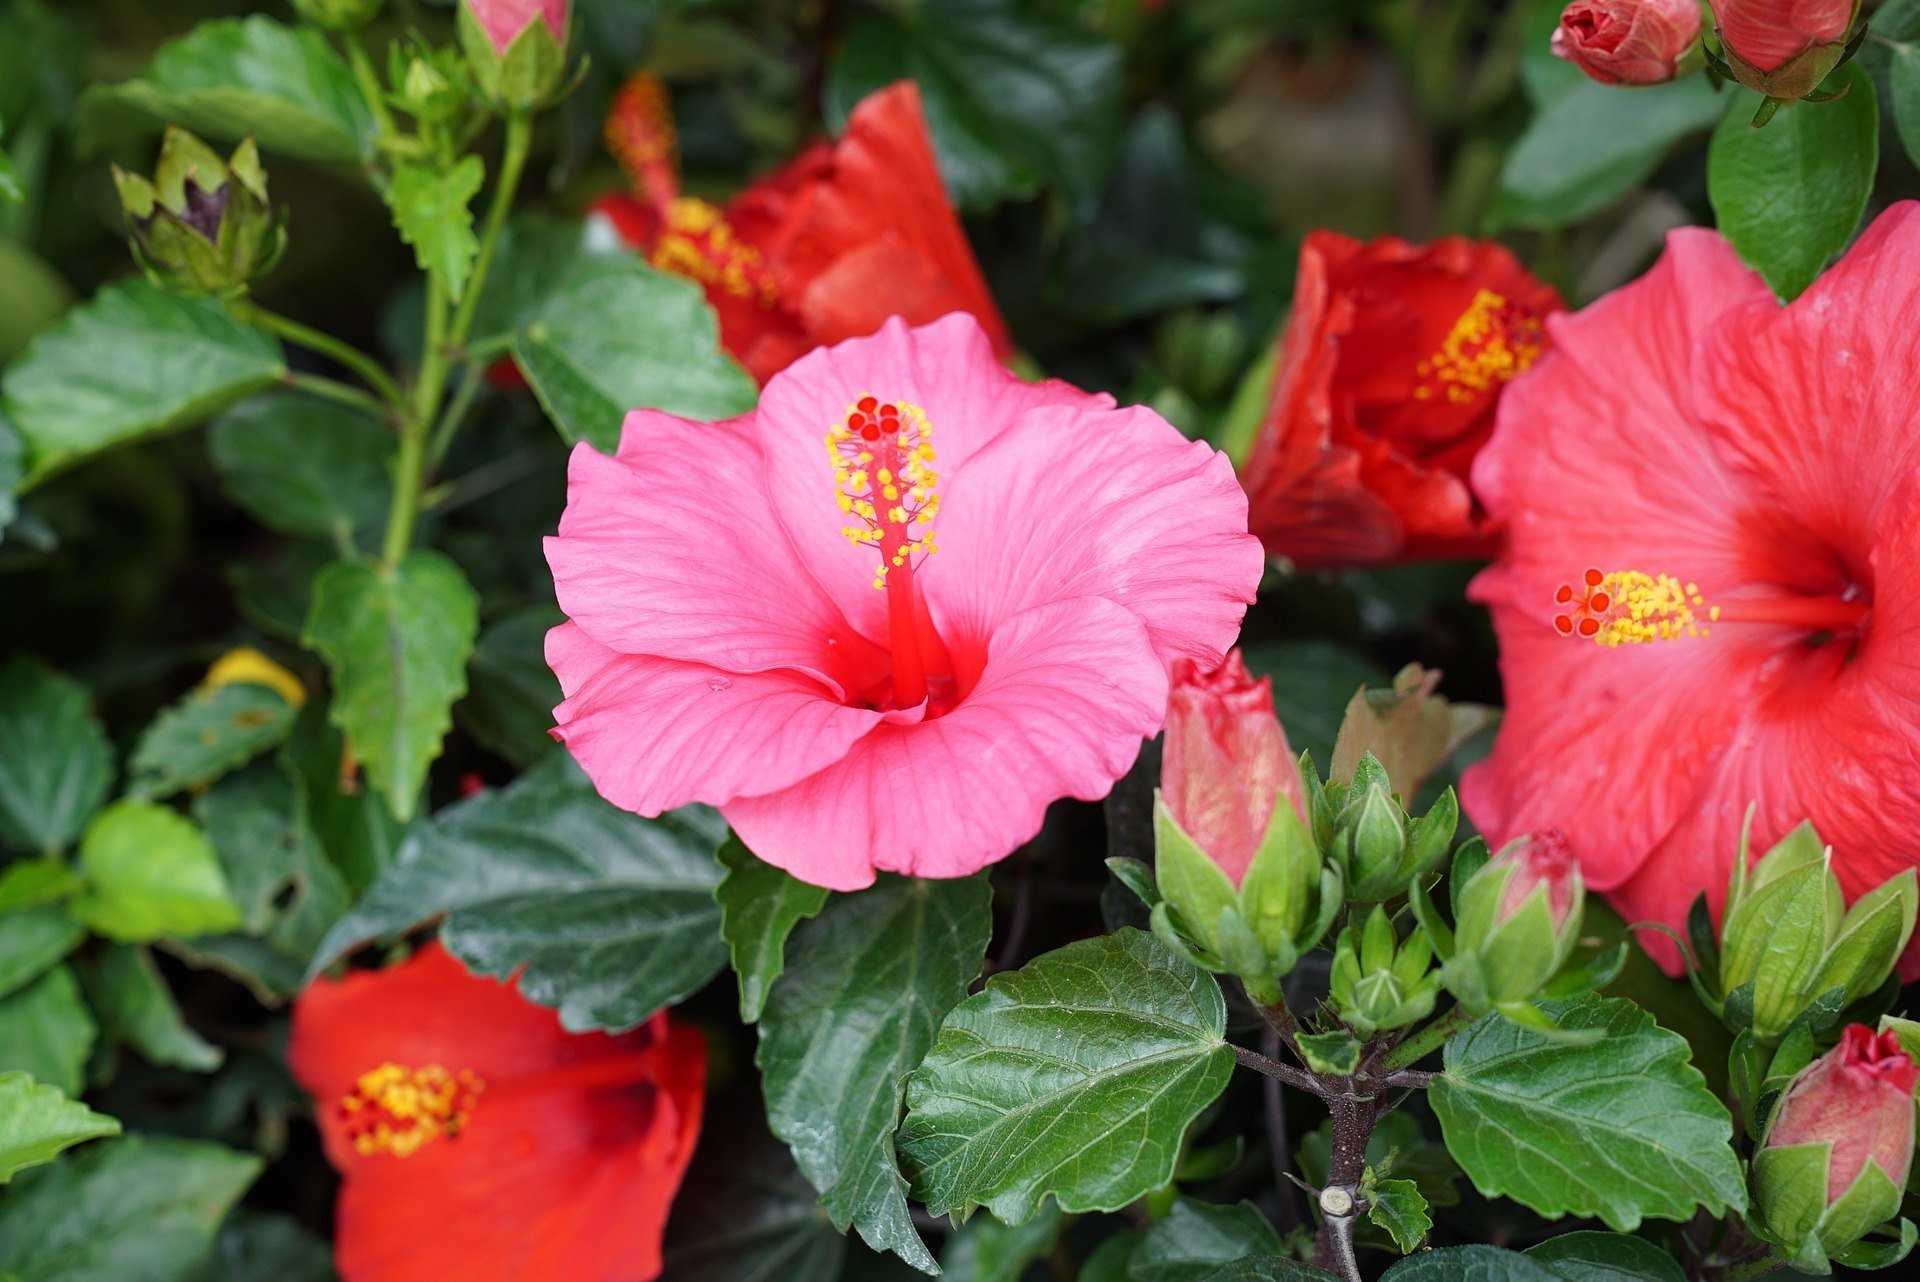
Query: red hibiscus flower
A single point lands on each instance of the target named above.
(1391, 366)
(479, 1140)
(827, 248)
(1744, 480)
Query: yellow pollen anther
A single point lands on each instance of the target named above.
(1492, 343)
(396, 1110)
(1631, 607)
(883, 456)
(698, 243)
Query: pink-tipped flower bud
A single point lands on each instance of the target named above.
(1544, 859)
(1632, 42)
(516, 48)
(1516, 922)
(504, 20)
(1783, 48)
(1225, 760)
(1836, 1155)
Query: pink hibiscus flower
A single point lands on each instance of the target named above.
(1744, 479)
(887, 618)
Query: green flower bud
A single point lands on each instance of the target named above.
(1786, 932)
(202, 225)
(1371, 844)
(1516, 923)
(1379, 981)
(1838, 1149)
(338, 15)
(517, 49)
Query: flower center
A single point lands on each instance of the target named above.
(1493, 342)
(639, 134)
(395, 1109)
(883, 476)
(697, 242)
(1632, 607)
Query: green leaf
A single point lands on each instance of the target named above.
(32, 942)
(132, 362)
(139, 1209)
(1606, 1257)
(1013, 96)
(289, 893)
(1470, 1264)
(233, 78)
(1195, 1238)
(759, 907)
(1620, 1128)
(35, 883)
(1398, 1207)
(614, 336)
(209, 733)
(37, 1122)
(746, 1214)
(11, 192)
(509, 707)
(396, 641)
(611, 915)
(137, 1008)
(1266, 1268)
(257, 1247)
(985, 1250)
(306, 467)
(432, 209)
(45, 1030)
(867, 983)
(151, 874)
(1075, 1076)
(1790, 196)
(359, 834)
(1335, 1051)
(55, 763)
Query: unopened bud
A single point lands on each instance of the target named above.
(1516, 923)
(517, 49)
(1783, 48)
(202, 225)
(1634, 42)
(1379, 981)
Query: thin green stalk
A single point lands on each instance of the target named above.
(1749, 1269)
(1426, 1041)
(456, 412)
(339, 393)
(364, 366)
(513, 163)
(369, 82)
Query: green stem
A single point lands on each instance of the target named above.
(456, 412)
(444, 337)
(1426, 1041)
(339, 393)
(369, 83)
(364, 366)
(1743, 1272)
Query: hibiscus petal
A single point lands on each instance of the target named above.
(1804, 398)
(1068, 692)
(662, 543)
(947, 369)
(653, 733)
(1114, 504)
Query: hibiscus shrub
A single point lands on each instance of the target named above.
(743, 641)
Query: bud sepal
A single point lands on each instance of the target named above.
(1379, 981)
(202, 225)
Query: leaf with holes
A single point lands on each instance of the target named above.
(608, 916)
(1074, 1077)
(207, 734)
(1621, 1128)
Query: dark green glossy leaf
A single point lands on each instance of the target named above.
(396, 642)
(257, 1247)
(1620, 1128)
(1312, 683)
(137, 1209)
(47, 1031)
(55, 763)
(137, 1008)
(235, 78)
(1790, 196)
(867, 984)
(1470, 1264)
(610, 915)
(746, 1213)
(306, 467)
(759, 907)
(289, 893)
(32, 942)
(1606, 1257)
(209, 733)
(1195, 1238)
(512, 695)
(150, 874)
(1074, 1077)
(37, 1122)
(131, 362)
(985, 1250)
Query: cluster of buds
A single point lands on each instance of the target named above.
(1834, 1161)
(1789, 947)
(517, 49)
(1245, 889)
(1516, 925)
(1380, 981)
(202, 225)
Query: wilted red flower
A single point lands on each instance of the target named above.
(1225, 760)
(1391, 365)
(1638, 42)
(1858, 1097)
(827, 248)
(479, 1140)
(1743, 480)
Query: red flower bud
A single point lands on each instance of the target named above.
(1226, 759)
(1543, 858)
(1636, 42)
(1859, 1098)
(1767, 34)
(502, 20)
